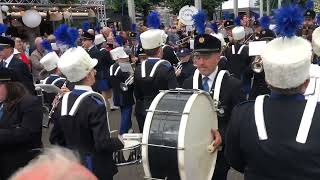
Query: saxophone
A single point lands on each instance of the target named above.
(56, 100)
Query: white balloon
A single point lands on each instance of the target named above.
(5, 8)
(66, 15)
(31, 18)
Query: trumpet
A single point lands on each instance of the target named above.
(257, 65)
(129, 81)
(183, 41)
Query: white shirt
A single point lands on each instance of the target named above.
(83, 87)
(8, 60)
(211, 77)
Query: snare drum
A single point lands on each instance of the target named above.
(129, 155)
(176, 135)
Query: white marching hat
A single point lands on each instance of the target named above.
(99, 39)
(238, 33)
(118, 53)
(152, 39)
(316, 41)
(220, 37)
(49, 61)
(286, 62)
(76, 64)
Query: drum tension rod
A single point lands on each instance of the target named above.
(151, 178)
(163, 146)
(167, 112)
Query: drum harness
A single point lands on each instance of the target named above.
(305, 123)
(216, 91)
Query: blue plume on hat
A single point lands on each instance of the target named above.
(114, 32)
(153, 20)
(3, 28)
(66, 35)
(237, 21)
(309, 4)
(288, 20)
(318, 19)
(226, 15)
(85, 26)
(256, 16)
(97, 28)
(46, 45)
(214, 27)
(119, 40)
(265, 22)
(133, 27)
(199, 20)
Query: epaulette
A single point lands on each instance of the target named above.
(98, 101)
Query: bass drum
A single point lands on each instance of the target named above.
(176, 135)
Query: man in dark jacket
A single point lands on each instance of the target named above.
(122, 87)
(277, 137)
(87, 131)
(225, 89)
(12, 62)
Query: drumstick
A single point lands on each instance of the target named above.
(211, 148)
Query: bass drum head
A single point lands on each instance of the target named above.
(195, 162)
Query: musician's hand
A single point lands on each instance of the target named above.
(216, 137)
(65, 90)
(134, 59)
(177, 71)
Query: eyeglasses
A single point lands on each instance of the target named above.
(205, 57)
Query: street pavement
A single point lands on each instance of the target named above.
(132, 172)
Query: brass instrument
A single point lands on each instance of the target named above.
(129, 81)
(257, 65)
(124, 85)
(56, 100)
(183, 41)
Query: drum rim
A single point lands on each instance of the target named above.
(181, 135)
(146, 131)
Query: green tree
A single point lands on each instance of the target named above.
(142, 6)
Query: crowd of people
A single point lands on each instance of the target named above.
(106, 70)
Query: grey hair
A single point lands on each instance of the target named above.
(58, 164)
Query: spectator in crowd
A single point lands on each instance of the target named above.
(19, 46)
(20, 124)
(36, 56)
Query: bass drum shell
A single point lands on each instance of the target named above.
(174, 144)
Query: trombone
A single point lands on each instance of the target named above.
(257, 65)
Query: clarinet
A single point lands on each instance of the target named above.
(56, 100)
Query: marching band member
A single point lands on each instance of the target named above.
(209, 77)
(276, 137)
(20, 124)
(238, 54)
(104, 62)
(122, 97)
(309, 22)
(258, 83)
(49, 63)
(316, 44)
(154, 74)
(228, 25)
(87, 131)
(185, 66)
(238, 57)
